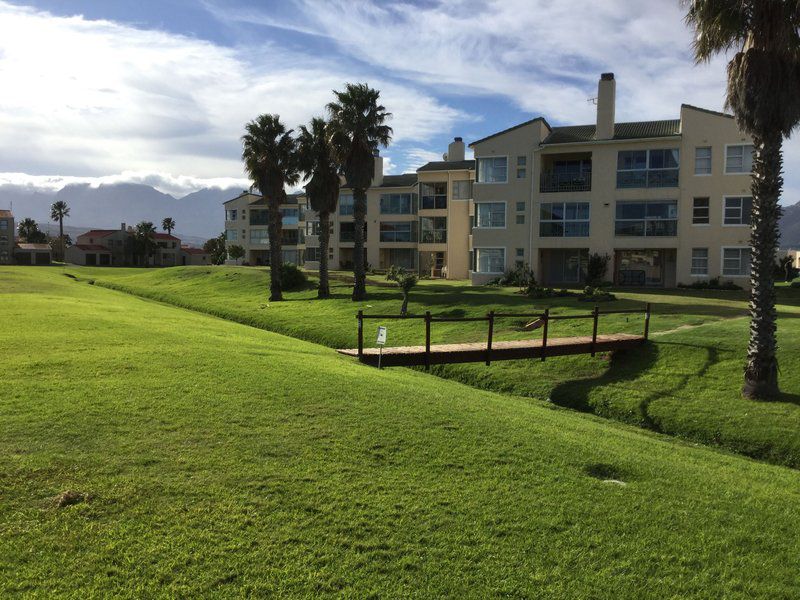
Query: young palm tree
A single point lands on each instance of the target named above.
(358, 123)
(145, 240)
(29, 231)
(764, 95)
(58, 212)
(317, 159)
(168, 224)
(270, 160)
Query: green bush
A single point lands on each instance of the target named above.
(292, 278)
(521, 277)
(711, 284)
(596, 294)
(596, 269)
(537, 291)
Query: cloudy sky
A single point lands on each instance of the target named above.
(158, 91)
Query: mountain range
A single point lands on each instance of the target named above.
(198, 216)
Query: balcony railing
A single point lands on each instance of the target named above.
(566, 182)
(647, 178)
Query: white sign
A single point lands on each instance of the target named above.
(381, 336)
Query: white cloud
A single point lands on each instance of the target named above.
(416, 157)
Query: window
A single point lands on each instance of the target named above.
(259, 236)
(520, 220)
(346, 204)
(520, 252)
(462, 190)
(736, 262)
(564, 219)
(490, 260)
(403, 231)
(312, 254)
(490, 214)
(347, 232)
(434, 195)
(699, 261)
(291, 216)
(647, 219)
(647, 168)
(312, 227)
(700, 212)
(292, 237)
(398, 204)
(433, 230)
(736, 210)
(244, 214)
(739, 158)
(259, 217)
(702, 161)
(493, 169)
(230, 215)
(520, 207)
(231, 235)
(522, 162)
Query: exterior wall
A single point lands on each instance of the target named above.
(7, 232)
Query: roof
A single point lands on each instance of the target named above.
(574, 134)
(706, 110)
(189, 250)
(488, 137)
(165, 236)
(6, 214)
(393, 181)
(90, 248)
(34, 246)
(443, 165)
(99, 232)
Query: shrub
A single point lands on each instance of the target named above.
(521, 277)
(537, 291)
(796, 284)
(596, 269)
(292, 278)
(596, 294)
(711, 284)
(405, 280)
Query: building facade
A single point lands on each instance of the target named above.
(7, 232)
(116, 248)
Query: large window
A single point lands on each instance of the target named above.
(347, 232)
(230, 215)
(564, 219)
(700, 211)
(462, 190)
(399, 231)
(493, 169)
(699, 262)
(259, 216)
(434, 195)
(739, 158)
(490, 260)
(433, 230)
(702, 160)
(736, 210)
(312, 227)
(292, 237)
(346, 204)
(736, 262)
(259, 236)
(291, 216)
(490, 214)
(647, 219)
(231, 235)
(398, 204)
(312, 254)
(647, 168)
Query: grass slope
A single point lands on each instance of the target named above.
(225, 460)
(686, 383)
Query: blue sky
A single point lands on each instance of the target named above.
(159, 91)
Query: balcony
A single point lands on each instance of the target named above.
(566, 182)
(647, 178)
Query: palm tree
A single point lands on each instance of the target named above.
(58, 212)
(317, 159)
(145, 240)
(270, 160)
(764, 95)
(358, 123)
(168, 224)
(29, 231)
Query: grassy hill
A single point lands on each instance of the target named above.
(686, 383)
(220, 459)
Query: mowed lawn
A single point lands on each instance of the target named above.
(686, 383)
(222, 459)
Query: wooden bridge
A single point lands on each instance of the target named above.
(434, 354)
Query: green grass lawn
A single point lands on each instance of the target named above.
(686, 383)
(221, 459)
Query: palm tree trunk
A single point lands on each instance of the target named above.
(324, 239)
(761, 372)
(359, 218)
(61, 235)
(404, 307)
(275, 254)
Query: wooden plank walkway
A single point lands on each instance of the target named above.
(405, 356)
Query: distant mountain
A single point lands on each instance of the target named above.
(198, 215)
(790, 226)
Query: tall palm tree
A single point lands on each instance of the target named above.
(270, 160)
(359, 127)
(168, 224)
(145, 240)
(317, 158)
(29, 231)
(764, 95)
(58, 212)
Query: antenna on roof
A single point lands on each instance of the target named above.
(592, 100)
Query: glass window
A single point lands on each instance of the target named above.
(347, 231)
(739, 159)
(259, 236)
(345, 204)
(493, 169)
(700, 211)
(259, 217)
(231, 235)
(230, 215)
(699, 261)
(291, 216)
(398, 204)
(434, 195)
(736, 262)
(402, 231)
(520, 252)
(521, 173)
(641, 219)
(312, 227)
(520, 219)
(737, 210)
(490, 214)
(564, 219)
(312, 254)
(433, 230)
(490, 260)
(702, 160)
(520, 207)
(462, 190)
(522, 161)
(648, 168)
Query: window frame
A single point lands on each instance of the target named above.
(648, 169)
(478, 160)
(710, 160)
(459, 182)
(708, 211)
(433, 229)
(412, 238)
(340, 205)
(388, 197)
(691, 263)
(435, 196)
(725, 169)
(741, 211)
(505, 214)
(645, 218)
(477, 260)
(722, 261)
(564, 221)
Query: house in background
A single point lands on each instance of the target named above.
(6, 237)
(194, 256)
(33, 254)
(116, 248)
(12, 252)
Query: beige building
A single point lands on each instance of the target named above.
(115, 248)
(7, 233)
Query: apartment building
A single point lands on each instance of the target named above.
(7, 231)
(115, 248)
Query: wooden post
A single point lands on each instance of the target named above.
(489, 341)
(595, 314)
(427, 340)
(647, 321)
(546, 318)
(360, 318)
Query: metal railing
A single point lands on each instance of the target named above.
(566, 182)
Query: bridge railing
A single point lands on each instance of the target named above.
(543, 320)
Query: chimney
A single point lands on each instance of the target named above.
(606, 98)
(377, 176)
(122, 227)
(456, 150)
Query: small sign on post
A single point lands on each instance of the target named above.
(381, 342)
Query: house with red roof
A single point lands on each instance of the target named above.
(117, 248)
